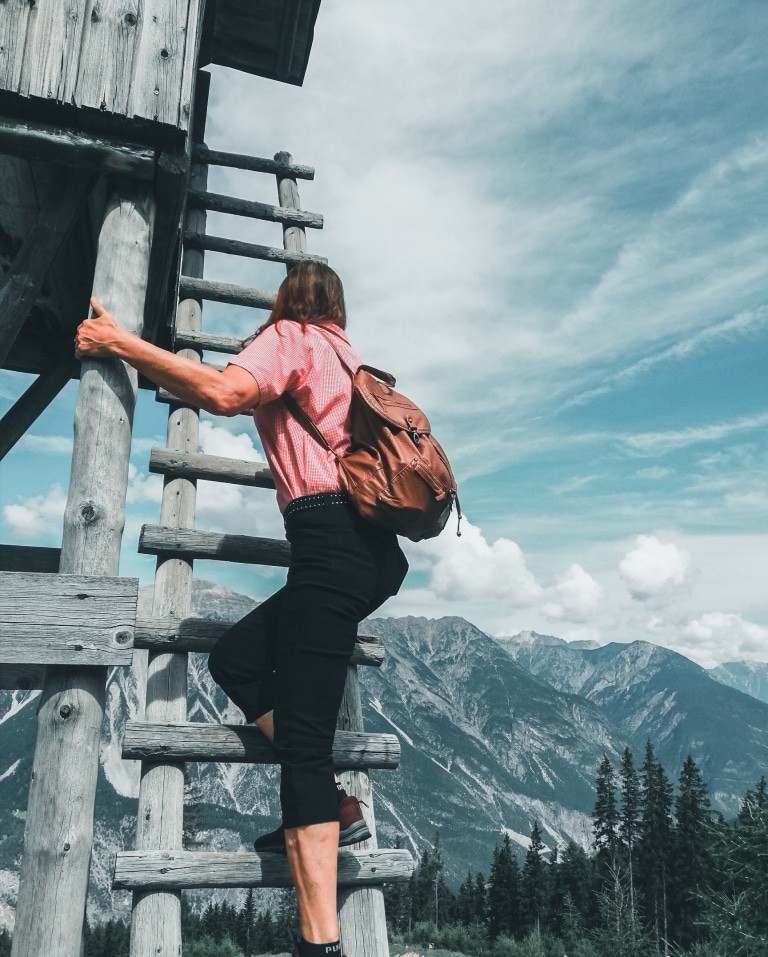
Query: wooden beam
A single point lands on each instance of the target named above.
(256, 164)
(51, 144)
(29, 558)
(184, 870)
(236, 247)
(245, 744)
(191, 543)
(67, 619)
(22, 677)
(216, 203)
(201, 635)
(58, 835)
(207, 341)
(32, 403)
(211, 468)
(294, 234)
(33, 261)
(191, 288)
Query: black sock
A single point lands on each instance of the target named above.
(319, 950)
(340, 791)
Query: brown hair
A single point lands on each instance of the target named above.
(311, 293)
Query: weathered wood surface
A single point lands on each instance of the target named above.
(33, 261)
(228, 345)
(66, 619)
(125, 57)
(201, 634)
(236, 247)
(167, 36)
(362, 917)
(22, 677)
(29, 558)
(185, 870)
(192, 543)
(256, 164)
(215, 291)
(156, 915)
(28, 407)
(245, 744)
(294, 235)
(217, 203)
(36, 141)
(212, 468)
(58, 835)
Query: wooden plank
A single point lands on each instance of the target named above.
(51, 144)
(107, 57)
(184, 870)
(22, 677)
(156, 917)
(67, 619)
(192, 78)
(211, 468)
(362, 917)
(159, 61)
(294, 236)
(236, 247)
(14, 23)
(229, 345)
(32, 403)
(245, 743)
(201, 634)
(256, 164)
(217, 203)
(192, 543)
(52, 54)
(33, 261)
(29, 558)
(58, 835)
(191, 288)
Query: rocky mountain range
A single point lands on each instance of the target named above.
(495, 733)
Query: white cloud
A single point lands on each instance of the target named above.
(143, 488)
(38, 515)
(577, 597)
(652, 568)
(217, 440)
(471, 568)
(56, 444)
(715, 637)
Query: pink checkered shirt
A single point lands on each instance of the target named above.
(289, 358)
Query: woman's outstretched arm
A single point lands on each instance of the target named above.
(222, 393)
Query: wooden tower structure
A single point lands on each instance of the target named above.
(103, 191)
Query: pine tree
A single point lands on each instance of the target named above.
(533, 884)
(5, 943)
(629, 820)
(655, 843)
(691, 861)
(504, 892)
(605, 815)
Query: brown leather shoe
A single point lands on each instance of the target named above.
(352, 829)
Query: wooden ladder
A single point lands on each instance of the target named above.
(159, 869)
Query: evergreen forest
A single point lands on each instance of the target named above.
(665, 876)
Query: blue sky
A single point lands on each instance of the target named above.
(552, 224)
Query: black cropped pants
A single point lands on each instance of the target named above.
(291, 653)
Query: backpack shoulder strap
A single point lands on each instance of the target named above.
(303, 417)
(384, 376)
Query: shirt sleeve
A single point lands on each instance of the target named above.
(277, 359)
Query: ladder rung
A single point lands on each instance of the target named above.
(213, 291)
(217, 203)
(245, 744)
(201, 635)
(229, 345)
(255, 164)
(193, 543)
(210, 468)
(236, 247)
(184, 870)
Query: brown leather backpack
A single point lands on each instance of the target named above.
(396, 473)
